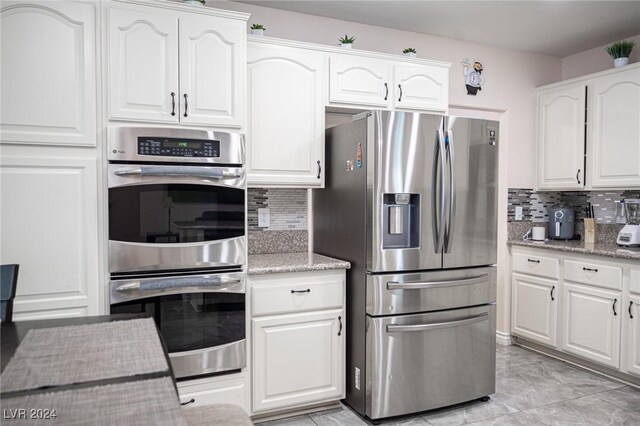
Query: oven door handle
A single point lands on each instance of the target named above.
(438, 325)
(182, 171)
(175, 283)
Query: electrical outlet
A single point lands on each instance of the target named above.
(518, 212)
(264, 218)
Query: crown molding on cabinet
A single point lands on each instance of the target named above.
(173, 5)
(351, 52)
(587, 77)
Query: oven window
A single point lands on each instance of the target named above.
(175, 213)
(193, 321)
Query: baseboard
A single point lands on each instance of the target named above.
(503, 339)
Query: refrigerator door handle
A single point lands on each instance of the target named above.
(449, 228)
(438, 194)
(439, 325)
(418, 285)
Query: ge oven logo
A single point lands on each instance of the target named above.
(117, 151)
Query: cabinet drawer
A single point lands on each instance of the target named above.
(297, 296)
(536, 265)
(593, 274)
(213, 391)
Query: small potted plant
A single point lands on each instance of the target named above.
(410, 51)
(346, 42)
(194, 2)
(257, 29)
(620, 51)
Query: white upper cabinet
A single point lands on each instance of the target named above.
(172, 66)
(561, 138)
(212, 62)
(48, 73)
(356, 80)
(143, 65)
(615, 130)
(286, 116)
(421, 88)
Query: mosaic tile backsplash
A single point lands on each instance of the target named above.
(287, 207)
(535, 205)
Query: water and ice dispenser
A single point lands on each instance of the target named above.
(401, 218)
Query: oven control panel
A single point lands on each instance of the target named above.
(178, 147)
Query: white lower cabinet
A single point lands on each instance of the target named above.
(592, 323)
(631, 334)
(49, 227)
(298, 359)
(214, 390)
(535, 308)
(297, 339)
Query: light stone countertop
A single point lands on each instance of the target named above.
(260, 264)
(610, 249)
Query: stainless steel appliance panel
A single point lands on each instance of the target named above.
(407, 153)
(120, 175)
(430, 291)
(341, 212)
(122, 144)
(426, 361)
(471, 176)
(125, 257)
(211, 360)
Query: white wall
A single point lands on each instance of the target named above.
(509, 92)
(594, 60)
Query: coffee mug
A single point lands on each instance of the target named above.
(536, 233)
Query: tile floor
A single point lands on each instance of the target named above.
(531, 389)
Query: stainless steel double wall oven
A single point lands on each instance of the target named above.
(177, 240)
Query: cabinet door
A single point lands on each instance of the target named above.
(561, 121)
(298, 359)
(286, 116)
(592, 323)
(212, 62)
(631, 314)
(48, 73)
(359, 81)
(535, 308)
(422, 88)
(143, 65)
(50, 228)
(615, 130)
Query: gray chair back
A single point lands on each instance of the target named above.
(8, 284)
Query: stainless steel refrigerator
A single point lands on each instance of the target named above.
(411, 202)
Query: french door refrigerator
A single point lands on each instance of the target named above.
(411, 202)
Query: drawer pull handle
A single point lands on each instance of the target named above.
(191, 401)
(590, 269)
(419, 285)
(173, 103)
(630, 305)
(553, 288)
(614, 307)
(301, 291)
(533, 261)
(391, 328)
(340, 321)
(386, 91)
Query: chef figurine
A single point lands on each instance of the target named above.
(473, 76)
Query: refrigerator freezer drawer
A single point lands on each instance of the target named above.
(426, 361)
(430, 291)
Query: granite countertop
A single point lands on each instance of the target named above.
(610, 249)
(260, 264)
